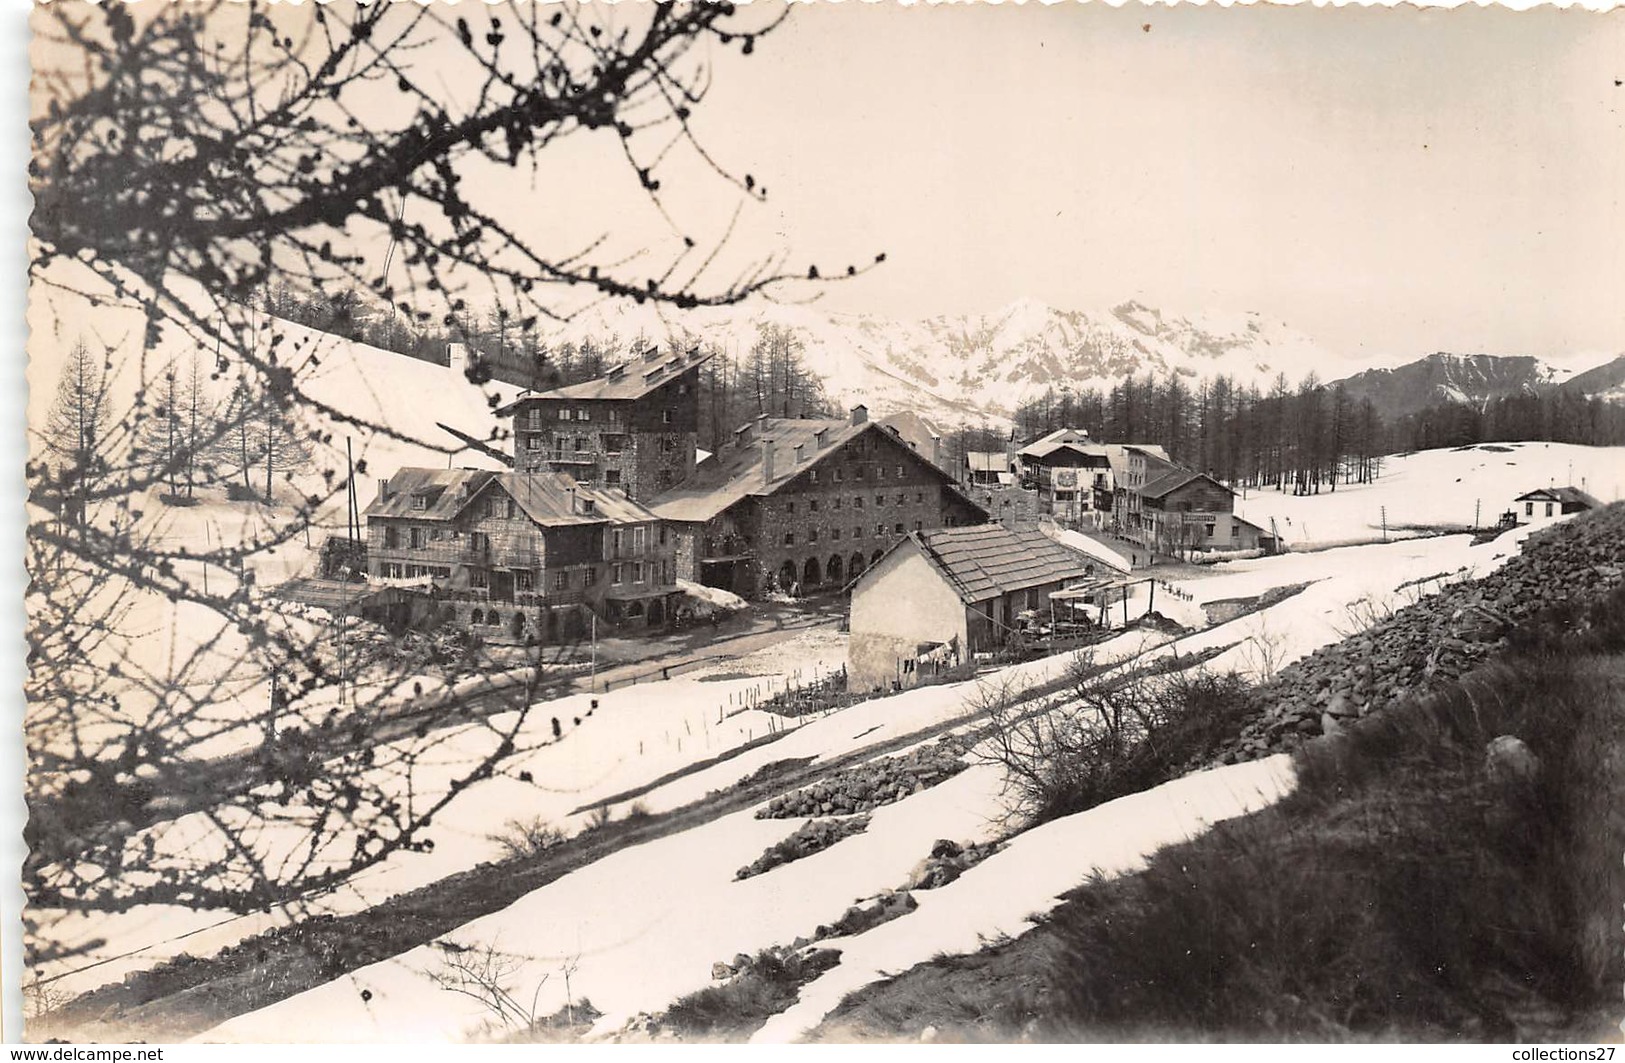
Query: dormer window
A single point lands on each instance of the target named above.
(420, 502)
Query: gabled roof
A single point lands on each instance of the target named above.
(1050, 439)
(736, 471)
(1040, 451)
(554, 499)
(445, 492)
(1173, 480)
(631, 379)
(550, 499)
(988, 560)
(1567, 495)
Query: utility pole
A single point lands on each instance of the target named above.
(1477, 506)
(1384, 523)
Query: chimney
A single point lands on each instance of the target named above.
(860, 414)
(767, 463)
(457, 357)
(936, 451)
(383, 489)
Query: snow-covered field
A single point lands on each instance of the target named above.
(633, 949)
(635, 952)
(640, 733)
(1434, 487)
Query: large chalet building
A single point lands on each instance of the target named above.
(519, 556)
(607, 507)
(795, 505)
(632, 429)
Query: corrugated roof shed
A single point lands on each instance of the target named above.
(987, 461)
(989, 560)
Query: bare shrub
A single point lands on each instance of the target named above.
(524, 838)
(1115, 730)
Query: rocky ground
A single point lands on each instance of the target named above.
(869, 786)
(1438, 638)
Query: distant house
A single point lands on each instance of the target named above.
(1532, 507)
(1133, 466)
(1250, 536)
(1041, 445)
(1183, 511)
(1074, 481)
(989, 468)
(519, 556)
(939, 598)
(799, 504)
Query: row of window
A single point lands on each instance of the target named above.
(857, 533)
(613, 443)
(611, 414)
(396, 570)
(620, 573)
(838, 474)
(813, 504)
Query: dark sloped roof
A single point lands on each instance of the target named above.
(735, 471)
(443, 488)
(1038, 452)
(546, 497)
(989, 560)
(1562, 494)
(631, 379)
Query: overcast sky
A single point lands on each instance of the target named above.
(1390, 181)
(1393, 182)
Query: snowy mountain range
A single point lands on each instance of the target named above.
(969, 367)
(957, 367)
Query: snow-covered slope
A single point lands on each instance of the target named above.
(965, 366)
(1434, 487)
